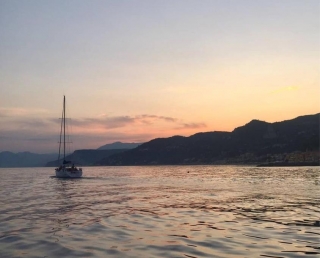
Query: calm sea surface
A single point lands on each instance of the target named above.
(161, 211)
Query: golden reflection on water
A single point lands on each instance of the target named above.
(161, 211)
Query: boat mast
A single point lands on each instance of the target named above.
(60, 136)
(64, 128)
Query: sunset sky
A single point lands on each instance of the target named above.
(137, 70)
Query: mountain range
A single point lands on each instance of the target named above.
(86, 157)
(252, 143)
(79, 157)
(24, 159)
(119, 145)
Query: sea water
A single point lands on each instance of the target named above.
(161, 211)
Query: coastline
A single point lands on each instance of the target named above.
(289, 164)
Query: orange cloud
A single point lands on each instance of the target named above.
(192, 126)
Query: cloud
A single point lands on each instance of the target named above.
(25, 123)
(192, 126)
(45, 142)
(164, 118)
(39, 134)
(285, 89)
(28, 123)
(122, 121)
(107, 122)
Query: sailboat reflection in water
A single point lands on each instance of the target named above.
(65, 170)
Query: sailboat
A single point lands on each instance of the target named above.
(66, 168)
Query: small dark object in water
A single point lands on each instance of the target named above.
(317, 223)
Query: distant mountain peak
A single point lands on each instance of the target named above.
(119, 145)
(255, 122)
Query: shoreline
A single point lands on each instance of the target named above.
(289, 164)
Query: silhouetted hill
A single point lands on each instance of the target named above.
(254, 142)
(24, 159)
(119, 145)
(171, 150)
(250, 143)
(86, 157)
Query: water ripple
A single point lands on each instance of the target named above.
(165, 211)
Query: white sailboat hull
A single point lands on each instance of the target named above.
(65, 173)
